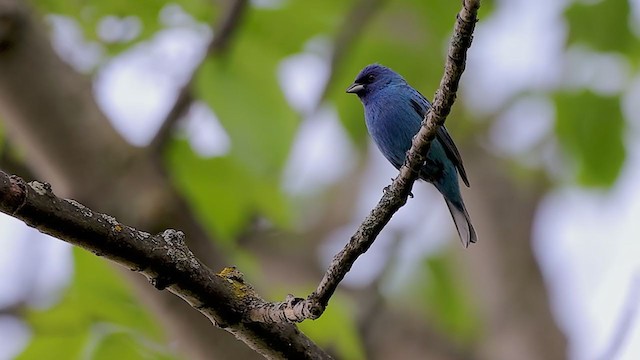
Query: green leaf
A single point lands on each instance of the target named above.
(225, 193)
(590, 128)
(61, 344)
(125, 346)
(246, 97)
(96, 296)
(116, 346)
(603, 26)
(287, 28)
(447, 302)
(201, 10)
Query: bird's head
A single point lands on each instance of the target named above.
(372, 79)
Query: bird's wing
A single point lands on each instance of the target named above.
(452, 152)
(421, 106)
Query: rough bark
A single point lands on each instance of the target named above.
(164, 259)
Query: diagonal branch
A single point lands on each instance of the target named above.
(163, 258)
(395, 195)
(222, 36)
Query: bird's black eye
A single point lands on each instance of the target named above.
(366, 79)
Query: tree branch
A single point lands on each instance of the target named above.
(163, 258)
(222, 36)
(395, 195)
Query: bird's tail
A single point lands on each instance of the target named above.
(463, 223)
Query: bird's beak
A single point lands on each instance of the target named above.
(355, 88)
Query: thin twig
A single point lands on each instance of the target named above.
(395, 195)
(222, 36)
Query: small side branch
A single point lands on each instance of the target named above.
(395, 195)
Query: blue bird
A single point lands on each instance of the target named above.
(393, 111)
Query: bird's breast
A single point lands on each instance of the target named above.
(392, 123)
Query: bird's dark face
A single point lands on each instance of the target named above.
(372, 79)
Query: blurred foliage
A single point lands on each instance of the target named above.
(91, 14)
(239, 193)
(98, 313)
(97, 317)
(587, 24)
(446, 301)
(261, 126)
(591, 128)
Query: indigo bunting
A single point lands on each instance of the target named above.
(393, 112)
